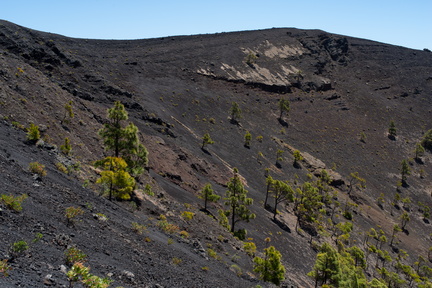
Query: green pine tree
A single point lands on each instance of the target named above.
(248, 139)
(284, 107)
(117, 182)
(236, 112)
(405, 171)
(237, 201)
(124, 141)
(208, 195)
(270, 268)
(392, 132)
(206, 140)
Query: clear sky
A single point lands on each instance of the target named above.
(401, 22)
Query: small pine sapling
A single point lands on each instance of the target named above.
(284, 107)
(248, 139)
(236, 113)
(208, 195)
(66, 148)
(33, 133)
(405, 172)
(206, 140)
(392, 132)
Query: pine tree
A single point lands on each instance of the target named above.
(392, 132)
(113, 133)
(66, 148)
(68, 112)
(208, 195)
(235, 112)
(237, 201)
(206, 140)
(117, 182)
(427, 140)
(248, 139)
(327, 266)
(282, 192)
(269, 184)
(33, 133)
(405, 171)
(297, 158)
(284, 107)
(356, 181)
(419, 151)
(405, 218)
(124, 141)
(270, 268)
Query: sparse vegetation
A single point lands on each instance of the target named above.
(66, 148)
(248, 139)
(72, 212)
(427, 140)
(4, 268)
(18, 248)
(37, 168)
(237, 201)
(405, 171)
(270, 268)
(13, 202)
(392, 132)
(284, 107)
(206, 140)
(138, 228)
(187, 215)
(73, 255)
(124, 142)
(81, 273)
(235, 112)
(33, 133)
(68, 112)
(115, 180)
(208, 195)
(365, 245)
(251, 58)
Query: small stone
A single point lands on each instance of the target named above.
(63, 269)
(48, 280)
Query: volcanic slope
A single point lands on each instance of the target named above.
(344, 92)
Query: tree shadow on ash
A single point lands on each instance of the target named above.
(281, 225)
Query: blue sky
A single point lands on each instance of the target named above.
(401, 22)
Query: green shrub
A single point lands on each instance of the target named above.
(13, 202)
(38, 237)
(18, 125)
(72, 212)
(176, 261)
(138, 228)
(427, 140)
(184, 234)
(251, 58)
(66, 148)
(148, 190)
(37, 168)
(187, 215)
(33, 133)
(213, 254)
(18, 248)
(166, 226)
(4, 268)
(250, 248)
(73, 255)
(81, 273)
(62, 168)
